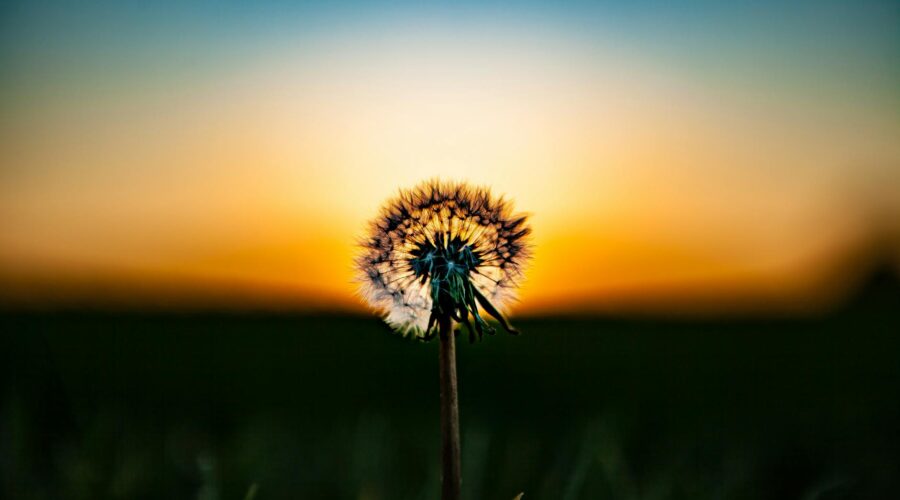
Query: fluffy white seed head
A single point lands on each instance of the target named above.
(434, 229)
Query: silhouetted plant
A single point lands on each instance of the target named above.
(437, 254)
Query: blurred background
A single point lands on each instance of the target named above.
(712, 309)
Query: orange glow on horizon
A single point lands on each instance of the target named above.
(648, 185)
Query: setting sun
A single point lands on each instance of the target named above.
(649, 170)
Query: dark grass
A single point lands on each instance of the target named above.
(102, 405)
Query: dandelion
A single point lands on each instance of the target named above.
(443, 249)
(439, 254)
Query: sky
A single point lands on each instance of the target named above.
(707, 156)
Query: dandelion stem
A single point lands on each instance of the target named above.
(450, 472)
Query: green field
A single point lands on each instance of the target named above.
(229, 406)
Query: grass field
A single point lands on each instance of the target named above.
(233, 406)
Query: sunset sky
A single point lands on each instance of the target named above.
(721, 155)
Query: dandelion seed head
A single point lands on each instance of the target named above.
(442, 248)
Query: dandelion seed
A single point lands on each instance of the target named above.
(437, 254)
(443, 248)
